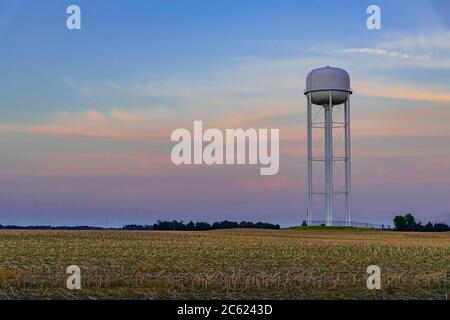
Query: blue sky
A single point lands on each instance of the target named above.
(86, 115)
(162, 40)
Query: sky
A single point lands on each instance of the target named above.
(86, 115)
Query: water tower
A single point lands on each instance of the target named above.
(328, 91)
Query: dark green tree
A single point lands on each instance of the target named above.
(410, 222)
(400, 223)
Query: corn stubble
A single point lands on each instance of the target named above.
(231, 264)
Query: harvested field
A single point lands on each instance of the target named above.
(229, 264)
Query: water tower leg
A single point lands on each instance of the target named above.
(348, 182)
(329, 161)
(309, 218)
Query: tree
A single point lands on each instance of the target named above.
(190, 226)
(202, 226)
(400, 223)
(410, 222)
(428, 227)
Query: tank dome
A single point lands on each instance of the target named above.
(320, 81)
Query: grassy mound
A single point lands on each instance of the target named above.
(300, 228)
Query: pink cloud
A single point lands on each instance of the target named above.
(92, 164)
(154, 125)
(374, 89)
(276, 183)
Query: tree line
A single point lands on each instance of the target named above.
(408, 223)
(160, 225)
(201, 226)
(62, 228)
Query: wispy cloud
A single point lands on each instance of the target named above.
(437, 40)
(102, 125)
(278, 184)
(79, 163)
(384, 53)
(397, 91)
(82, 89)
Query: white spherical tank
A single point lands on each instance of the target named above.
(321, 81)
